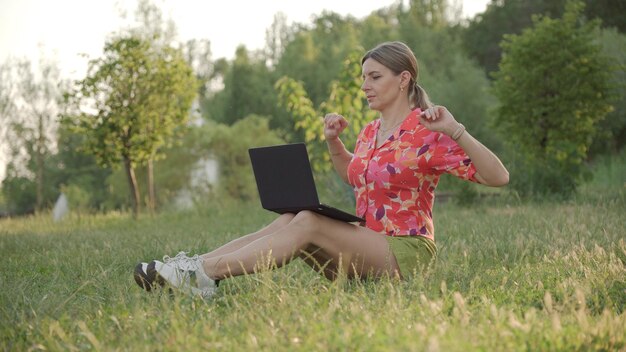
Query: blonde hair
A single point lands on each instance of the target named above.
(398, 57)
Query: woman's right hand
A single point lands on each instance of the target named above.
(334, 124)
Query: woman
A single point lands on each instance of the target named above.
(394, 171)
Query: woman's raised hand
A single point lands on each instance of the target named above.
(334, 124)
(439, 119)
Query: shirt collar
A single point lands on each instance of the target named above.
(412, 120)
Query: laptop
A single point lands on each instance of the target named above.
(285, 181)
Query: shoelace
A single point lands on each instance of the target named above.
(182, 261)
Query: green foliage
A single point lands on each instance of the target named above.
(315, 55)
(78, 198)
(247, 89)
(30, 100)
(463, 88)
(377, 28)
(172, 174)
(72, 167)
(485, 32)
(346, 98)
(20, 194)
(553, 89)
(611, 136)
(609, 174)
(230, 144)
(69, 167)
(141, 97)
(134, 102)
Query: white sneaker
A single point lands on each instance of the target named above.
(181, 272)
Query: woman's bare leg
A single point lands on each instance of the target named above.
(278, 223)
(357, 251)
(320, 261)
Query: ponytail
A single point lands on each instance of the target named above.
(419, 97)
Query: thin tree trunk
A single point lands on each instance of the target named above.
(39, 154)
(39, 178)
(132, 184)
(151, 192)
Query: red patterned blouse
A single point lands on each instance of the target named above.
(395, 183)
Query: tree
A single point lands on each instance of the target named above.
(160, 33)
(315, 56)
(345, 98)
(378, 27)
(611, 136)
(485, 32)
(132, 103)
(29, 105)
(276, 37)
(553, 89)
(248, 89)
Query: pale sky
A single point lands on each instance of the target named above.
(64, 29)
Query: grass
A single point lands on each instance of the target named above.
(511, 276)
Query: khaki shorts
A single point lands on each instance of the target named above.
(414, 254)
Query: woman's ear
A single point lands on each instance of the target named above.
(405, 78)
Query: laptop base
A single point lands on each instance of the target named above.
(322, 209)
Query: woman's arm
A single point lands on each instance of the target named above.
(340, 157)
(489, 169)
(334, 124)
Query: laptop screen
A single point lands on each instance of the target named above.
(284, 177)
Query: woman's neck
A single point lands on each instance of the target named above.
(394, 114)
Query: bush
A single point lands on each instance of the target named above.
(230, 144)
(78, 198)
(553, 87)
(19, 193)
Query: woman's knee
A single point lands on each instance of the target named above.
(309, 221)
(286, 218)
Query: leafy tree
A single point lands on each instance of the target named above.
(315, 55)
(425, 14)
(160, 33)
(553, 88)
(133, 102)
(611, 136)
(197, 53)
(486, 30)
(247, 89)
(378, 27)
(276, 38)
(30, 101)
(345, 98)
(175, 171)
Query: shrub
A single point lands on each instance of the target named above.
(553, 88)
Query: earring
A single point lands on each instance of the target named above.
(401, 89)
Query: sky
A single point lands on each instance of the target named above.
(66, 30)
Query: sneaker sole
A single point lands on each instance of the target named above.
(147, 278)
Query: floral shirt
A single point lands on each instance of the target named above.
(395, 183)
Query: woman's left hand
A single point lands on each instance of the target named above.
(439, 119)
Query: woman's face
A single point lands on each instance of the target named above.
(381, 85)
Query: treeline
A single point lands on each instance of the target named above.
(139, 128)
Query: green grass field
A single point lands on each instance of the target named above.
(510, 276)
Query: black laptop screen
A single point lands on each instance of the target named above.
(284, 177)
